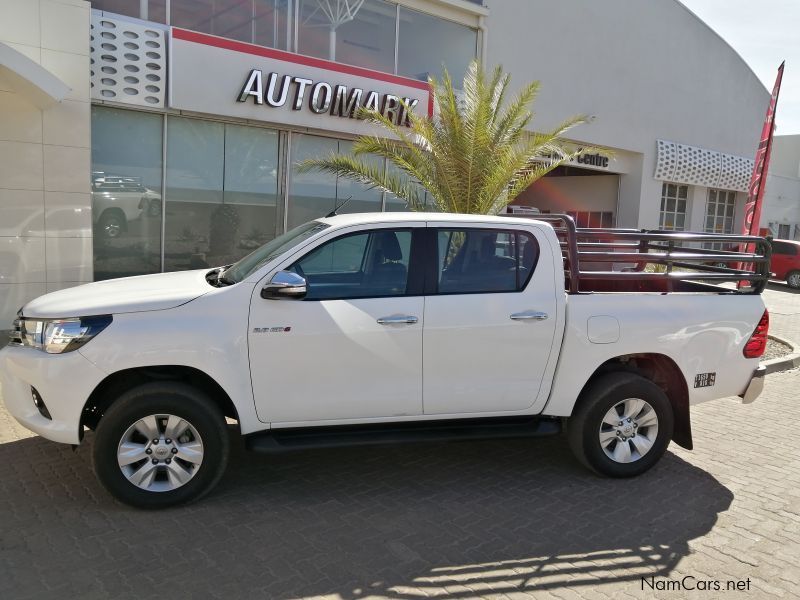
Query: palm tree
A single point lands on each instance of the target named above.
(474, 155)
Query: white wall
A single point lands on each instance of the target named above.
(785, 159)
(45, 205)
(782, 194)
(645, 70)
(781, 201)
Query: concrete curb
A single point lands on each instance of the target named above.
(784, 363)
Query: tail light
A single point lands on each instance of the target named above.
(757, 343)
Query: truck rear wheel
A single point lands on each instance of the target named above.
(161, 444)
(621, 426)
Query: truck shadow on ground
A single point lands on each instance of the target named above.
(450, 520)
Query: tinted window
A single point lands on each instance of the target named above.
(484, 260)
(362, 265)
(784, 248)
(362, 34)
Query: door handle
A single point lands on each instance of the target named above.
(529, 315)
(398, 320)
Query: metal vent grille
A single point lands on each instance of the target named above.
(736, 172)
(680, 163)
(128, 61)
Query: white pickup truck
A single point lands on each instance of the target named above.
(371, 328)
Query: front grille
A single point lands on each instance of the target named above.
(15, 335)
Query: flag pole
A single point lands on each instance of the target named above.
(758, 180)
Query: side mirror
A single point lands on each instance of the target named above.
(285, 285)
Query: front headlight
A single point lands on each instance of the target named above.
(55, 336)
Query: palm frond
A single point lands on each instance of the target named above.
(474, 155)
(361, 172)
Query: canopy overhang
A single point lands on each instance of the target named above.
(29, 79)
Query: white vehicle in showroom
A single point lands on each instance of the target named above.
(385, 328)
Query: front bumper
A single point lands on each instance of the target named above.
(64, 382)
(755, 387)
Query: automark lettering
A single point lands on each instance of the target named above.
(323, 98)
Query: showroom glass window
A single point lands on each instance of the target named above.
(263, 22)
(314, 194)
(126, 192)
(361, 35)
(147, 10)
(221, 193)
(394, 204)
(672, 215)
(426, 43)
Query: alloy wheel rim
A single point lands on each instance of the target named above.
(629, 430)
(160, 453)
(794, 279)
(112, 229)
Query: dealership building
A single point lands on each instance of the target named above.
(139, 136)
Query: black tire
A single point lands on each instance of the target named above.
(793, 280)
(169, 398)
(583, 427)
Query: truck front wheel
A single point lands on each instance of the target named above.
(621, 426)
(161, 444)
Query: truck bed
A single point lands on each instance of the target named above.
(641, 261)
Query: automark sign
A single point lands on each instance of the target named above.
(321, 97)
(213, 75)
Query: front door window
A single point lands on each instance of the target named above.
(363, 265)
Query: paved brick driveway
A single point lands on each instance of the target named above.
(497, 519)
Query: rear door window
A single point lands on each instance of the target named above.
(480, 261)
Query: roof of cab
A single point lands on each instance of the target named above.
(392, 217)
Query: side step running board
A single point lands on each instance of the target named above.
(282, 440)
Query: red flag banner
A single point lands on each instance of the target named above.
(758, 181)
(755, 191)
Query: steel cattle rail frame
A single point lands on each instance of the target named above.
(605, 247)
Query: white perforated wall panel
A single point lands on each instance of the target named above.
(680, 163)
(128, 61)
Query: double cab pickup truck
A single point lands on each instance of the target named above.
(390, 328)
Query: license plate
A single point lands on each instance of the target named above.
(702, 380)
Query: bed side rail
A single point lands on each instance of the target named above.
(662, 260)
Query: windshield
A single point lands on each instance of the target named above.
(256, 259)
